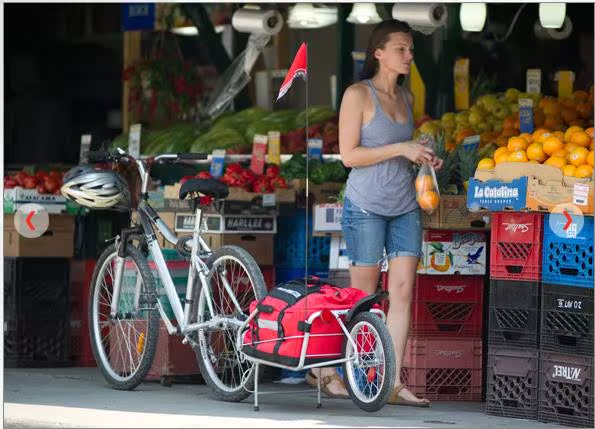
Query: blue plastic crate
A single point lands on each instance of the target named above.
(568, 261)
(290, 244)
(283, 275)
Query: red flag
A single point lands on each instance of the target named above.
(299, 68)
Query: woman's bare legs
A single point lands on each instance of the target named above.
(401, 279)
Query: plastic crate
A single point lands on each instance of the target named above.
(283, 275)
(268, 273)
(515, 252)
(567, 319)
(290, 244)
(36, 288)
(443, 369)
(512, 382)
(568, 261)
(94, 229)
(339, 278)
(81, 275)
(447, 306)
(566, 389)
(514, 313)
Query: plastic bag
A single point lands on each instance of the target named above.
(426, 184)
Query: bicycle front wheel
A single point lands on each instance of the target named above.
(235, 283)
(124, 345)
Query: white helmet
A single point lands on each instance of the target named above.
(96, 189)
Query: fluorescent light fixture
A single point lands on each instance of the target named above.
(305, 16)
(364, 13)
(473, 16)
(551, 15)
(193, 31)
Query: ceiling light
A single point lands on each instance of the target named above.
(305, 16)
(473, 16)
(364, 13)
(551, 15)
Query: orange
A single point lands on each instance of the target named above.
(498, 151)
(552, 121)
(533, 161)
(552, 109)
(569, 115)
(584, 171)
(558, 134)
(578, 156)
(590, 158)
(571, 130)
(578, 123)
(570, 146)
(517, 143)
(538, 118)
(591, 146)
(543, 137)
(580, 138)
(501, 157)
(552, 144)
(584, 110)
(568, 170)
(555, 161)
(589, 131)
(581, 95)
(424, 183)
(509, 132)
(517, 156)
(560, 152)
(429, 201)
(535, 152)
(508, 122)
(527, 136)
(502, 141)
(485, 164)
(537, 133)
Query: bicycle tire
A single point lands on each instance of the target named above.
(116, 377)
(204, 353)
(381, 394)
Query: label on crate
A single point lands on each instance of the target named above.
(569, 304)
(259, 151)
(495, 195)
(580, 194)
(269, 200)
(567, 373)
(526, 115)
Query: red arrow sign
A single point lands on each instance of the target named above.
(28, 221)
(568, 220)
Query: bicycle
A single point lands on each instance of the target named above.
(125, 307)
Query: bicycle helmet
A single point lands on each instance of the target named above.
(96, 189)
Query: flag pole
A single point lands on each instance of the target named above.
(307, 172)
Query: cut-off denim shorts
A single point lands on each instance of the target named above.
(367, 235)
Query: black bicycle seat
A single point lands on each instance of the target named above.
(209, 187)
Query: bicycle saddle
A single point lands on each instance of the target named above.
(209, 187)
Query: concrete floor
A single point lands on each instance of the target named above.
(80, 397)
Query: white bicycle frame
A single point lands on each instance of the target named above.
(197, 269)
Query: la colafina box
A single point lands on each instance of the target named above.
(454, 252)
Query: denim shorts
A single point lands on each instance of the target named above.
(367, 235)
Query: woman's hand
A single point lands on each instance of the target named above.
(417, 153)
(437, 163)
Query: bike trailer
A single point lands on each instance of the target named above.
(276, 333)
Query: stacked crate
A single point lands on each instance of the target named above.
(566, 356)
(443, 356)
(514, 302)
(541, 319)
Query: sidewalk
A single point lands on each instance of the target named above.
(79, 397)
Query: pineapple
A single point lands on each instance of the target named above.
(468, 160)
(445, 175)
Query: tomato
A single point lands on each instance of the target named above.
(204, 175)
(273, 171)
(29, 182)
(51, 185)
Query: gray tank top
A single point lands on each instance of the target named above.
(386, 188)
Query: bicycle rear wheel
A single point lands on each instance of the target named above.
(124, 346)
(370, 381)
(222, 365)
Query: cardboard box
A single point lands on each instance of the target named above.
(56, 242)
(525, 186)
(327, 218)
(224, 224)
(17, 197)
(260, 246)
(455, 214)
(454, 252)
(431, 221)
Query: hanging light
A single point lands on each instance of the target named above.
(305, 16)
(364, 13)
(551, 15)
(473, 16)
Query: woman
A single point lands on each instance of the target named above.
(380, 210)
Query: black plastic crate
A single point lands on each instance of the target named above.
(514, 313)
(512, 382)
(567, 319)
(36, 343)
(94, 229)
(36, 288)
(566, 389)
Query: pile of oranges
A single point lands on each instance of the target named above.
(427, 195)
(571, 151)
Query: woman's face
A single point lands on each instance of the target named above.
(397, 54)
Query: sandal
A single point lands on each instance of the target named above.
(395, 399)
(312, 380)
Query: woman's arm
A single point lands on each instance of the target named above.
(350, 124)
